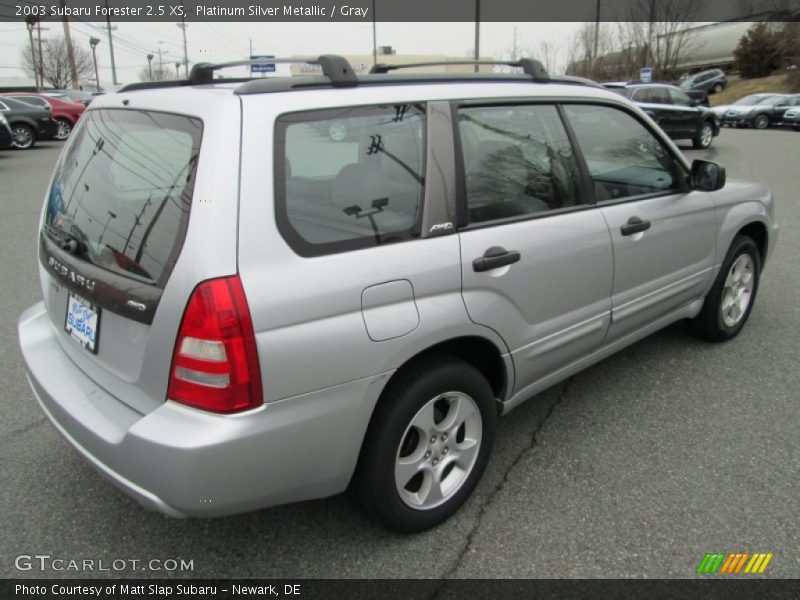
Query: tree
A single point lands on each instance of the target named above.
(758, 52)
(156, 73)
(55, 63)
(548, 53)
(657, 35)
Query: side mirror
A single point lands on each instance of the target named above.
(707, 176)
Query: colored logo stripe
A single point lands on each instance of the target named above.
(758, 563)
(711, 562)
(733, 563)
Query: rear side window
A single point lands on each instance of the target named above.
(122, 191)
(349, 178)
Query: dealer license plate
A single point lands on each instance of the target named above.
(83, 322)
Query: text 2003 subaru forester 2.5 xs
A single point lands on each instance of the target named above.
(243, 308)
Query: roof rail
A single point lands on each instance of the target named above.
(335, 67)
(529, 66)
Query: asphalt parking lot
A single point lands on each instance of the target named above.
(634, 468)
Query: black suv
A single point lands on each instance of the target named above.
(679, 115)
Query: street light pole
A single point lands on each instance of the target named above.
(93, 41)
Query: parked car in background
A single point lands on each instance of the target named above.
(758, 112)
(28, 123)
(66, 114)
(711, 81)
(6, 137)
(791, 102)
(791, 118)
(77, 95)
(679, 115)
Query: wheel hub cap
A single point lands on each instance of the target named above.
(738, 290)
(438, 450)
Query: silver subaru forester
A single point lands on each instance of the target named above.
(260, 292)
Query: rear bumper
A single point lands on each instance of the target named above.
(186, 462)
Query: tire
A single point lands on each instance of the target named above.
(337, 131)
(761, 122)
(24, 137)
(717, 88)
(64, 129)
(435, 422)
(716, 323)
(706, 136)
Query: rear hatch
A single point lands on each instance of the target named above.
(114, 224)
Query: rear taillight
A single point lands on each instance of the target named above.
(215, 363)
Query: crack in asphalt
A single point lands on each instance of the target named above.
(450, 572)
(21, 430)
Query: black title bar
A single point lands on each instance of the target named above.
(402, 10)
(460, 589)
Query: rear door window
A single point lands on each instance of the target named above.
(349, 178)
(121, 193)
(518, 161)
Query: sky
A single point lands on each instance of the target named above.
(219, 42)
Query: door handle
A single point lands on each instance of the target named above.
(495, 257)
(635, 225)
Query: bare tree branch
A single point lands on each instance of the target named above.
(55, 61)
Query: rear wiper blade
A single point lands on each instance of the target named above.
(66, 241)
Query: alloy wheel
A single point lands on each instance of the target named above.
(22, 137)
(438, 450)
(64, 129)
(706, 135)
(738, 290)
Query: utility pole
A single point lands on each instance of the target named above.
(111, 46)
(477, 32)
(596, 31)
(183, 27)
(41, 55)
(150, 66)
(73, 71)
(374, 35)
(160, 63)
(514, 47)
(93, 41)
(649, 57)
(30, 22)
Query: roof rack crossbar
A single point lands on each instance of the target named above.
(529, 66)
(333, 66)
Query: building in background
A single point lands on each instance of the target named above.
(362, 63)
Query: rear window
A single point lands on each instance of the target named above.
(349, 178)
(121, 193)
